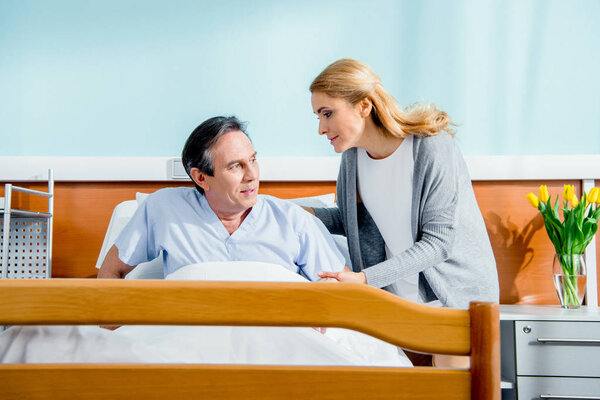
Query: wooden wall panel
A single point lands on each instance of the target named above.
(522, 249)
(521, 245)
(82, 211)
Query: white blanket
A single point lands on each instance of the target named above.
(201, 344)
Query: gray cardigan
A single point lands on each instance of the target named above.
(452, 251)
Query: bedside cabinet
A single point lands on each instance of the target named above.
(549, 353)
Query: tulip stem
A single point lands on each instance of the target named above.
(570, 293)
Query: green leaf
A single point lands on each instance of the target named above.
(556, 243)
(556, 207)
(552, 213)
(590, 212)
(553, 225)
(589, 230)
(570, 232)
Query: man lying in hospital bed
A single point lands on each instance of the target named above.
(223, 219)
(201, 232)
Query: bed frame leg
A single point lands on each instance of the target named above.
(485, 351)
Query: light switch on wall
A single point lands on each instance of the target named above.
(176, 170)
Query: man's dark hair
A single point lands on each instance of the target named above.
(197, 150)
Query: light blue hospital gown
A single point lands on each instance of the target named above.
(179, 222)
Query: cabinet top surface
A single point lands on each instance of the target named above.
(509, 312)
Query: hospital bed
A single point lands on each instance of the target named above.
(473, 332)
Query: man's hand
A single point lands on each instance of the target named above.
(344, 276)
(327, 280)
(110, 327)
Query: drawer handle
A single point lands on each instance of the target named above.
(548, 340)
(550, 396)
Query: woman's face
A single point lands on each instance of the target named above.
(342, 122)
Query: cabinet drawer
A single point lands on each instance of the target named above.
(558, 388)
(565, 348)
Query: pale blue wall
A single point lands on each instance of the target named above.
(133, 78)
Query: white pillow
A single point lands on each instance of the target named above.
(324, 200)
(119, 218)
(149, 270)
(252, 271)
(141, 197)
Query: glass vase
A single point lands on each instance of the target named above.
(570, 279)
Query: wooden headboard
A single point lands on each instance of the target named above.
(521, 247)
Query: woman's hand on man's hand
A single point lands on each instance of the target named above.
(344, 276)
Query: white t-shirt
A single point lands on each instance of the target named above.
(385, 187)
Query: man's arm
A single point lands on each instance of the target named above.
(318, 250)
(113, 267)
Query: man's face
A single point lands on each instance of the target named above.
(234, 186)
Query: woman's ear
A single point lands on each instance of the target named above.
(364, 107)
(199, 178)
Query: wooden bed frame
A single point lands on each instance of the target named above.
(473, 332)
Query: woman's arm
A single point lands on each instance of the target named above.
(331, 218)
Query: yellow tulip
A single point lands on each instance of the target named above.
(568, 192)
(533, 200)
(574, 202)
(592, 196)
(544, 196)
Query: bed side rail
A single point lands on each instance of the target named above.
(128, 302)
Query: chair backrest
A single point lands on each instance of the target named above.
(473, 332)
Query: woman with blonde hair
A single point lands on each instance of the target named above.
(404, 196)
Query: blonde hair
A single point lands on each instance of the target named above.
(354, 81)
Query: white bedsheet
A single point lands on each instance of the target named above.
(201, 344)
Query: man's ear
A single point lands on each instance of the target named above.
(199, 178)
(364, 107)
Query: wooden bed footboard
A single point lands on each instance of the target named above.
(473, 332)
